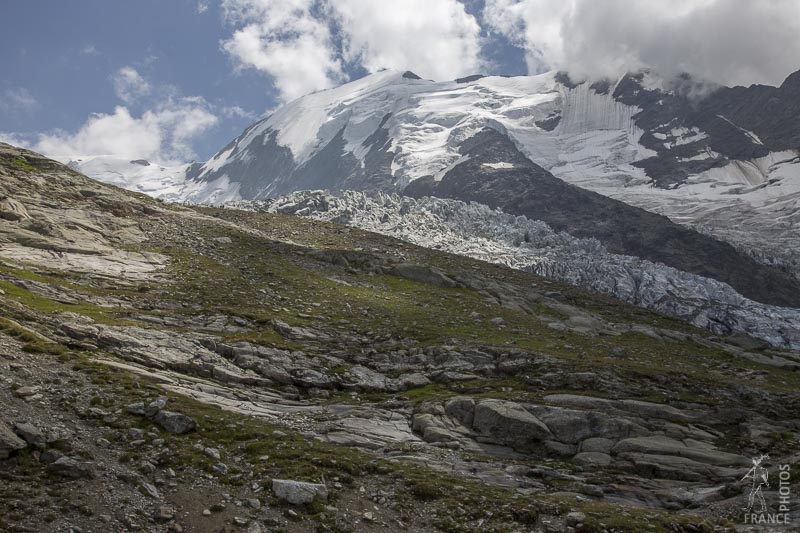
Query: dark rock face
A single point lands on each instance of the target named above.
(469, 79)
(527, 189)
(269, 169)
(268, 158)
(738, 123)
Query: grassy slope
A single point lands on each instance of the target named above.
(208, 277)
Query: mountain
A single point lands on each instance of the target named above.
(704, 158)
(138, 175)
(167, 368)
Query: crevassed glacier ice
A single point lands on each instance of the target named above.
(478, 231)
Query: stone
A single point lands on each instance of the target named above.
(438, 434)
(654, 410)
(137, 409)
(50, 456)
(592, 459)
(592, 490)
(461, 409)
(508, 423)
(211, 452)
(149, 490)
(12, 210)
(220, 468)
(70, 468)
(297, 332)
(679, 468)
(164, 513)
(572, 426)
(365, 379)
(660, 445)
(414, 380)
(555, 447)
(597, 444)
(575, 518)
(298, 492)
(308, 377)
(9, 441)
(175, 422)
(155, 406)
(26, 392)
(30, 434)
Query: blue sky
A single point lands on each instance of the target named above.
(60, 68)
(66, 62)
(173, 80)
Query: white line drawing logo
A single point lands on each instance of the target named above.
(760, 477)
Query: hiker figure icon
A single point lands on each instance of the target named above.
(760, 477)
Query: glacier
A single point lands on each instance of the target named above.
(476, 231)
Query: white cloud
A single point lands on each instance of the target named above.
(284, 39)
(236, 111)
(19, 99)
(202, 7)
(434, 38)
(723, 41)
(15, 139)
(164, 134)
(303, 44)
(129, 85)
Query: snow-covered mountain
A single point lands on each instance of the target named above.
(597, 159)
(721, 160)
(140, 175)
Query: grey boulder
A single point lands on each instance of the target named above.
(175, 422)
(298, 492)
(508, 423)
(70, 468)
(9, 441)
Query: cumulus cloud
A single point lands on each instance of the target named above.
(15, 139)
(164, 134)
(18, 99)
(286, 40)
(436, 38)
(306, 45)
(129, 85)
(723, 41)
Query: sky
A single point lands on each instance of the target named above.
(176, 80)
